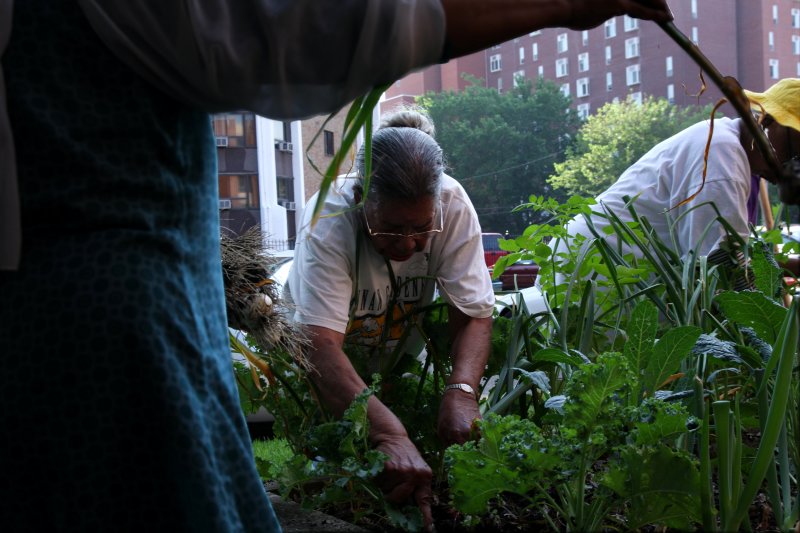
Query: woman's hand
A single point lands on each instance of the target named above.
(405, 475)
(585, 14)
(457, 414)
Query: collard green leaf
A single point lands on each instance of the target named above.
(763, 349)
(717, 348)
(667, 355)
(538, 378)
(662, 485)
(554, 355)
(642, 328)
(766, 271)
(754, 310)
(658, 420)
(408, 518)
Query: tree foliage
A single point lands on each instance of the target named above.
(616, 137)
(501, 146)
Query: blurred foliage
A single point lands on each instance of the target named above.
(614, 138)
(502, 146)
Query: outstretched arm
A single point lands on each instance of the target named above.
(474, 25)
(406, 475)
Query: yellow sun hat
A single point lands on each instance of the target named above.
(781, 101)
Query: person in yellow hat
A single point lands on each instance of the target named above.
(779, 110)
(672, 172)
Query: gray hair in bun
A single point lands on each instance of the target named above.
(407, 163)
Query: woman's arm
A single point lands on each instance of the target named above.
(471, 345)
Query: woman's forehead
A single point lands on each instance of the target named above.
(402, 210)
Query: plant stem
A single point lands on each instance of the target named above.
(732, 91)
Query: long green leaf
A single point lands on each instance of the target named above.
(667, 355)
(775, 419)
(642, 329)
(754, 310)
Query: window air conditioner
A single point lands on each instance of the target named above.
(222, 141)
(225, 204)
(284, 146)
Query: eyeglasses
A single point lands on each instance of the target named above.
(437, 228)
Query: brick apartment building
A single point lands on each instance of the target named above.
(755, 41)
(265, 176)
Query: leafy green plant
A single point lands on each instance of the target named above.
(272, 456)
(596, 433)
(340, 468)
(633, 401)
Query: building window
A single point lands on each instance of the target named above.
(521, 55)
(329, 149)
(630, 23)
(671, 93)
(240, 189)
(774, 71)
(540, 71)
(771, 41)
(519, 78)
(795, 18)
(495, 62)
(669, 66)
(284, 190)
(695, 35)
(584, 37)
(637, 97)
(631, 47)
(610, 28)
(500, 85)
(796, 45)
(583, 111)
(235, 130)
(694, 9)
(565, 89)
(535, 51)
(562, 67)
(608, 55)
(582, 87)
(774, 14)
(583, 62)
(609, 81)
(562, 43)
(797, 70)
(632, 75)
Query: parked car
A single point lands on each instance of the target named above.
(528, 300)
(520, 275)
(491, 248)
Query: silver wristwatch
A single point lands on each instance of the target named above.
(462, 386)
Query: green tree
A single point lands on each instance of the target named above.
(502, 146)
(616, 137)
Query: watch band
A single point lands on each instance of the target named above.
(462, 386)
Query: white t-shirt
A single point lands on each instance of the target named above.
(670, 173)
(338, 280)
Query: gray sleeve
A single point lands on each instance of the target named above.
(279, 58)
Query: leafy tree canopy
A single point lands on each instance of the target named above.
(616, 137)
(501, 146)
